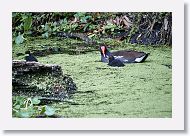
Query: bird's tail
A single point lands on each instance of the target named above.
(147, 54)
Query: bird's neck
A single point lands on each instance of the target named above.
(108, 53)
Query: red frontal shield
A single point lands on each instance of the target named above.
(103, 50)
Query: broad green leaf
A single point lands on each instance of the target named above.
(19, 39)
(49, 111)
(19, 99)
(35, 100)
(17, 107)
(46, 27)
(45, 35)
(26, 113)
(54, 23)
(54, 29)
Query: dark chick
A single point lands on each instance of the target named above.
(30, 57)
(115, 62)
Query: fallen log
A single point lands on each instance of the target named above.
(42, 80)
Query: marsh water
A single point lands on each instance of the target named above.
(138, 90)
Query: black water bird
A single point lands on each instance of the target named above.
(115, 62)
(125, 56)
(30, 57)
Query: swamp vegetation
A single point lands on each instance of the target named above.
(137, 90)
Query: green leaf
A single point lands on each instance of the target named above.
(19, 39)
(54, 29)
(19, 99)
(49, 111)
(17, 107)
(45, 35)
(46, 28)
(26, 113)
(43, 110)
(35, 100)
(27, 23)
(54, 23)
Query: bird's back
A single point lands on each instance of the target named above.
(30, 58)
(128, 54)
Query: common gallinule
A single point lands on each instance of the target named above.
(115, 62)
(30, 57)
(125, 56)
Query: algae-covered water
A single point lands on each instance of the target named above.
(140, 90)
